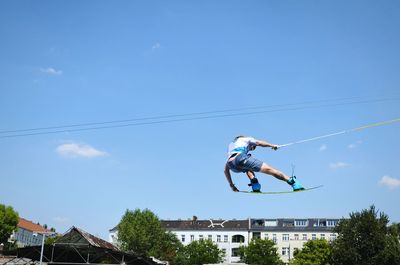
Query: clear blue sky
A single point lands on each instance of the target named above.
(74, 62)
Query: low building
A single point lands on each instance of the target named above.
(78, 247)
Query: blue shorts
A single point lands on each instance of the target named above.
(245, 162)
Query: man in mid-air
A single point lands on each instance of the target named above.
(239, 160)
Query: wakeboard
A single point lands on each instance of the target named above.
(281, 192)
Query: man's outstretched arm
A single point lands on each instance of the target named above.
(266, 144)
(229, 178)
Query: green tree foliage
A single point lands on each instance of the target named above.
(198, 253)
(167, 247)
(392, 247)
(314, 252)
(8, 222)
(10, 248)
(141, 232)
(260, 252)
(50, 240)
(361, 239)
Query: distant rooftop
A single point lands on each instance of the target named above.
(293, 224)
(195, 224)
(30, 226)
(253, 224)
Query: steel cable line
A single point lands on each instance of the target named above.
(343, 132)
(181, 115)
(189, 118)
(172, 116)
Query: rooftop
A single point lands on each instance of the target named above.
(30, 226)
(211, 224)
(292, 224)
(79, 236)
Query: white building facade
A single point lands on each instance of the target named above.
(229, 235)
(291, 234)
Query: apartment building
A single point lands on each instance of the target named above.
(229, 235)
(288, 234)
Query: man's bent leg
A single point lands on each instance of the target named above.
(250, 174)
(266, 169)
(255, 185)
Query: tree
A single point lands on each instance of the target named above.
(392, 247)
(260, 252)
(167, 247)
(314, 252)
(361, 239)
(50, 240)
(141, 232)
(8, 222)
(198, 253)
(10, 248)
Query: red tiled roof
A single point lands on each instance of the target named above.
(30, 226)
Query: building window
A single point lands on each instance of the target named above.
(304, 236)
(314, 236)
(321, 223)
(224, 252)
(332, 237)
(274, 238)
(235, 252)
(300, 223)
(237, 239)
(191, 238)
(218, 238)
(271, 223)
(288, 223)
(296, 237)
(201, 237)
(256, 235)
(285, 251)
(258, 223)
(266, 236)
(285, 237)
(322, 236)
(210, 237)
(225, 238)
(331, 223)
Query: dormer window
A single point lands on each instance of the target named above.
(271, 223)
(288, 223)
(300, 223)
(331, 223)
(258, 223)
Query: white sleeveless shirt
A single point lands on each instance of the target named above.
(241, 145)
